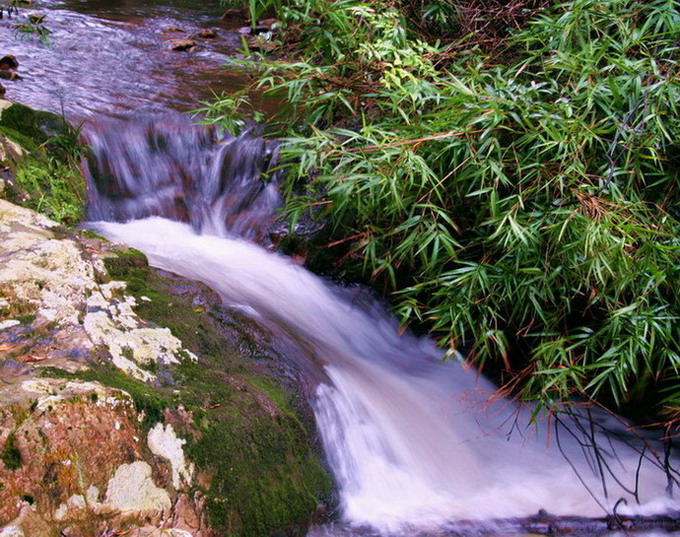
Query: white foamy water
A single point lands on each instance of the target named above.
(412, 441)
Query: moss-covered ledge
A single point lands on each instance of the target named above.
(39, 162)
(258, 463)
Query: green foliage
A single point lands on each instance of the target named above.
(52, 188)
(48, 179)
(525, 210)
(10, 455)
(34, 26)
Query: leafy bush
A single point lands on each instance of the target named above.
(522, 206)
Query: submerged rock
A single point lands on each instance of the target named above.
(207, 34)
(172, 29)
(8, 62)
(183, 45)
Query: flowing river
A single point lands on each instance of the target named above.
(416, 443)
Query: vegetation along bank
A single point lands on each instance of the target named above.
(508, 173)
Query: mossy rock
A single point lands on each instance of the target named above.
(10, 455)
(53, 186)
(248, 437)
(37, 126)
(27, 143)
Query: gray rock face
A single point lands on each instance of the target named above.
(64, 440)
(60, 283)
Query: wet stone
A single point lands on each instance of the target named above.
(172, 30)
(235, 14)
(8, 62)
(183, 45)
(207, 33)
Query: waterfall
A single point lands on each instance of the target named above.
(414, 441)
(162, 166)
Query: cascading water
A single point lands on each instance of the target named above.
(413, 441)
(184, 174)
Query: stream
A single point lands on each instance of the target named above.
(417, 444)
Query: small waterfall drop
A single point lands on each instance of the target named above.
(414, 442)
(162, 166)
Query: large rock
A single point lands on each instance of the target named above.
(207, 33)
(132, 401)
(126, 405)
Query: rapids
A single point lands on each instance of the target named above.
(414, 442)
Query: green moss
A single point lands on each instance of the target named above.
(52, 188)
(89, 234)
(10, 455)
(24, 141)
(25, 319)
(267, 479)
(34, 124)
(147, 399)
(266, 476)
(48, 179)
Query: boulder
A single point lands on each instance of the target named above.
(132, 401)
(125, 407)
(8, 62)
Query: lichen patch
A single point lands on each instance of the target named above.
(164, 443)
(132, 490)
